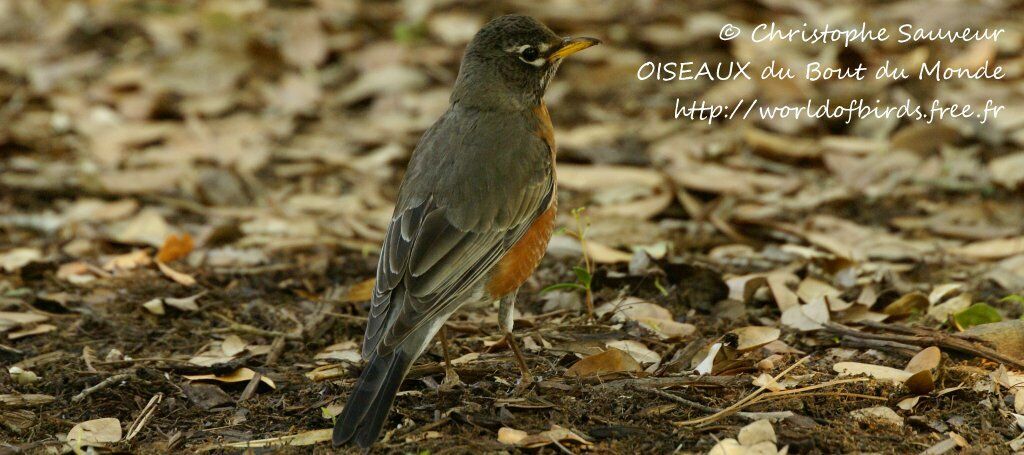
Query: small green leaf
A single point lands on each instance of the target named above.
(661, 288)
(409, 32)
(555, 287)
(1013, 298)
(583, 276)
(326, 413)
(977, 314)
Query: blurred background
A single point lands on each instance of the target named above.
(274, 133)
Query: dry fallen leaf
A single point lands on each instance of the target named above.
(511, 436)
(707, 363)
(742, 288)
(148, 228)
(1008, 170)
(36, 330)
(650, 316)
(640, 352)
(13, 260)
(233, 345)
(878, 414)
(239, 375)
(155, 306)
(927, 359)
(1006, 337)
(305, 438)
(303, 43)
(610, 361)
(808, 317)
(360, 292)
(184, 304)
(988, 250)
(920, 383)
(907, 305)
(944, 310)
(757, 432)
(523, 439)
(752, 337)
(19, 400)
(98, 432)
(175, 247)
(882, 373)
(767, 381)
(11, 319)
(22, 376)
(907, 404)
(346, 351)
(785, 298)
(128, 261)
(940, 292)
(756, 438)
(79, 272)
(604, 254)
(181, 278)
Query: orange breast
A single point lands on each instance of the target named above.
(522, 259)
(545, 129)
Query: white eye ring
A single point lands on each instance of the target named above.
(538, 61)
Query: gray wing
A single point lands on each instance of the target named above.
(454, 221)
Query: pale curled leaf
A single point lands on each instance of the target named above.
(239, 375)
(305, 438)
(35, 330)
(878, 414)
(808, 317)
(610, 361)
(523, 439)
(708, 362)
(926, 359)
(757, 432)
(987, 250)
(181, 278)
(882, 373)
(13, 260)
(97, 432)
(640, 352)
(753, 337)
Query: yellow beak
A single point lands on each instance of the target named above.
(571, 46)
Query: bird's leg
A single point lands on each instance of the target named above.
(451, 378)
(505, 307)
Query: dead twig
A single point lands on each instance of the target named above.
(903, 349)
(676, 381)
(250, 388)
(6, 348)
(102, 385)
(924, 339)
(252, 330)
(735, 407)
(144, 417)
(704, 408)
(276, 349)
(677, 399)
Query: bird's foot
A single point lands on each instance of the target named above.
(451, 380)
(526, 377)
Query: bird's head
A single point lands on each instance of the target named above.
(511, 60)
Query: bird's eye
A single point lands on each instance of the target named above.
(530, 54)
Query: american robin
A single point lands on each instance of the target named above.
(474, 213)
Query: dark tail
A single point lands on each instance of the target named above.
(370, 401)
